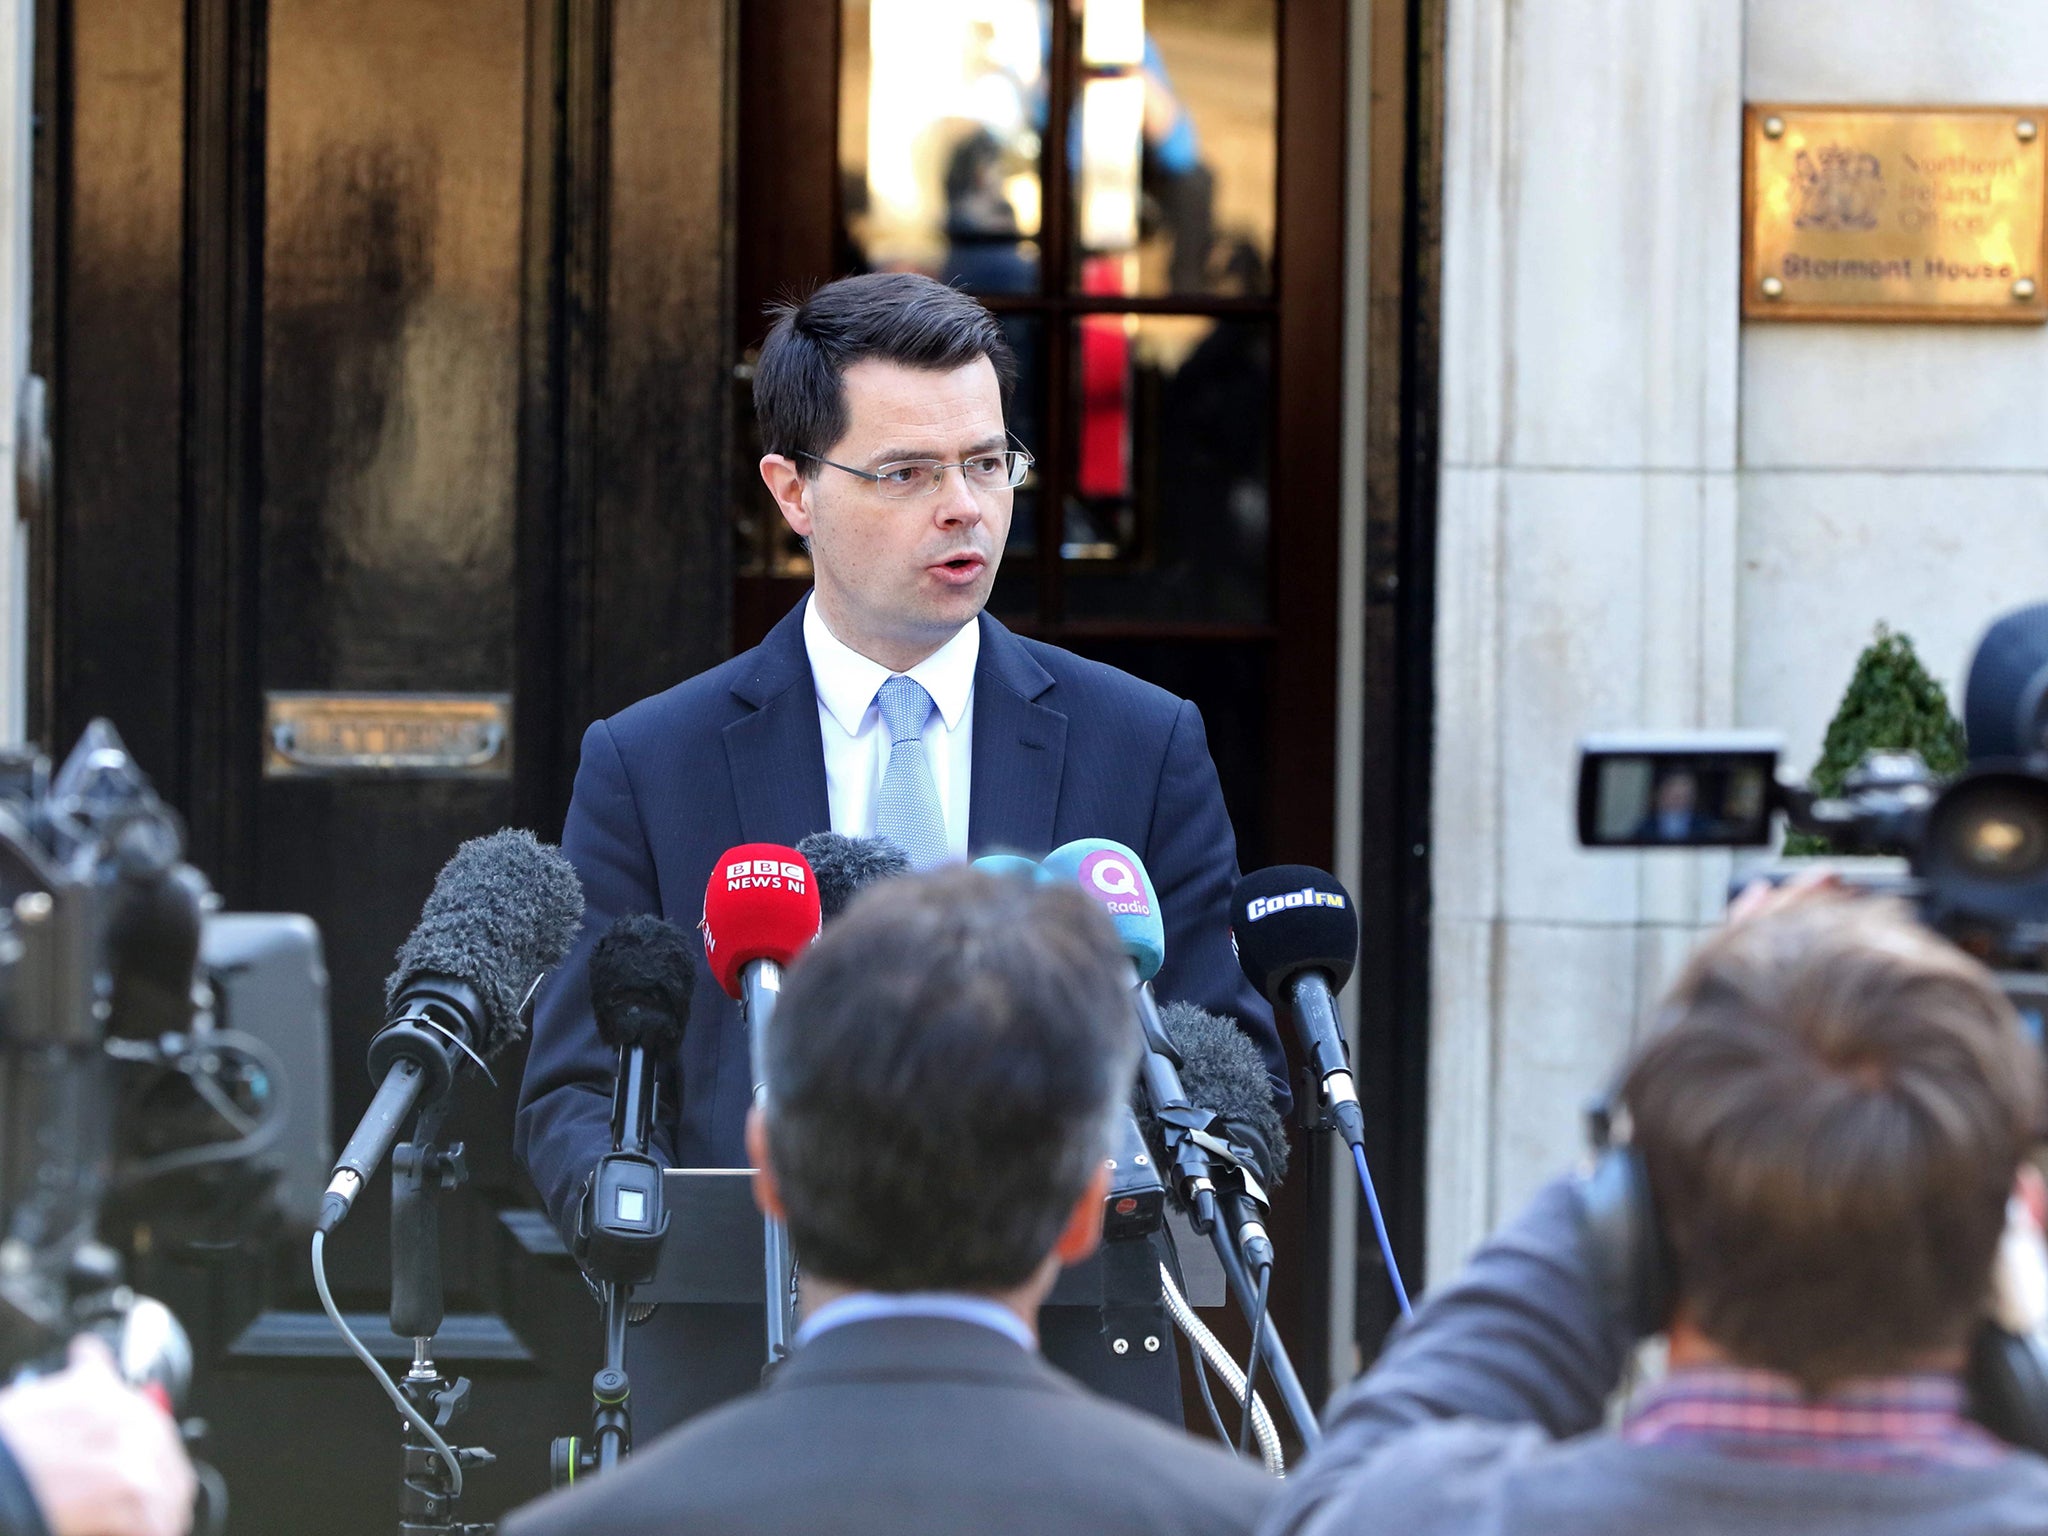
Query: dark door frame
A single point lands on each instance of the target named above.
(1403, 295)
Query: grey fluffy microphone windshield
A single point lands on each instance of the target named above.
(846, 866)
(1221, 1072)
(503, 910)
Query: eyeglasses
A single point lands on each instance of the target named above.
(909, 478)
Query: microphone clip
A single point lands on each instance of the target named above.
(622, 1220)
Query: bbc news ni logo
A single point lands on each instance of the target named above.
(1307, 896)
(764, 875)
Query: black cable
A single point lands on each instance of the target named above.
(1201, 1364)
(250, 1141)
(1195, 1355)
(1251, 1365)
(1281, 1368)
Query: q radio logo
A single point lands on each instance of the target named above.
(1307, 896)
(764, 875)
(1111, 880)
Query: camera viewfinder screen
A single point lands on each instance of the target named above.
(1675, 799)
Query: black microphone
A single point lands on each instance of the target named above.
(1295, 930)
(846, 866)
(503, 910)
(1221, 1071)
(641, 975)
(2005, 700)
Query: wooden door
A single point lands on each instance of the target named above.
(387, 348)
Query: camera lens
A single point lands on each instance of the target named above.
(2003, 841)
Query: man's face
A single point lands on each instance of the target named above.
(897, 578)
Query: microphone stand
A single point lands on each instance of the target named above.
(778, 1261)
(1194, 1151)
(1207, 1219)
(420, 1173)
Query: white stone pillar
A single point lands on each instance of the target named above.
(1586, 560)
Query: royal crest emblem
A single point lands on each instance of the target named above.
(1838, 189)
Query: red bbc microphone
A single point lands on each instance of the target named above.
(760, 910)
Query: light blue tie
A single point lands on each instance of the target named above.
(907, 810)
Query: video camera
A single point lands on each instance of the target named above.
(1974, 847)
(163, 1065)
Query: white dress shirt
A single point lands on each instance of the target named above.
(857, 744)
(865, 1306)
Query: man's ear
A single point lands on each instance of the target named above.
(790, 490)
(1083, 1231)
(767, 1193)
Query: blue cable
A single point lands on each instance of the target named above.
(1379, 1227)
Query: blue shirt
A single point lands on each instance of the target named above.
(866, 1306)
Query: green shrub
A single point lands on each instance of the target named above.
(1892, 704)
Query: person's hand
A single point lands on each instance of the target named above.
(1760, 898)
(101, 1458)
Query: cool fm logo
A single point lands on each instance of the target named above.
(1109, 878)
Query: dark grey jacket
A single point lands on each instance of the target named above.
(1483, 1419)
(914, 1427)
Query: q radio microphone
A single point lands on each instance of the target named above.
(1010, 865)
(641, 974)
(760, 910)
(846, 866)
(1295, 930)
(1115, 877)
(502, 911)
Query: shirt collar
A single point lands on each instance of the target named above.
(1902, 1421)
(957, 1306)
(848, 681)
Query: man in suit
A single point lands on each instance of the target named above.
(942, 1074)
(886, 702)
(1822, 1152)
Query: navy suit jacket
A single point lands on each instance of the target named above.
(1064, 748)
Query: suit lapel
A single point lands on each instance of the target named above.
(1020, 749)
(776, 754)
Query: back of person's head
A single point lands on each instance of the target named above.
(942, 1069)
(896, 317)
(1831, 1119)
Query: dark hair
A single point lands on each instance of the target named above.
(941, 1072)
(900, 317)
(1830, 1122)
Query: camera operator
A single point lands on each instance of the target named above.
(85, 1454)
(1830, 1125)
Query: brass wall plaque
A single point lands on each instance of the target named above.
(1904, 213)
(407, 735)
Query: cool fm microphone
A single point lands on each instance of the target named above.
(1296, 934)
(760, 910)
(1295, 930)
(502, 911)
(641, 973)
(846, 866)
